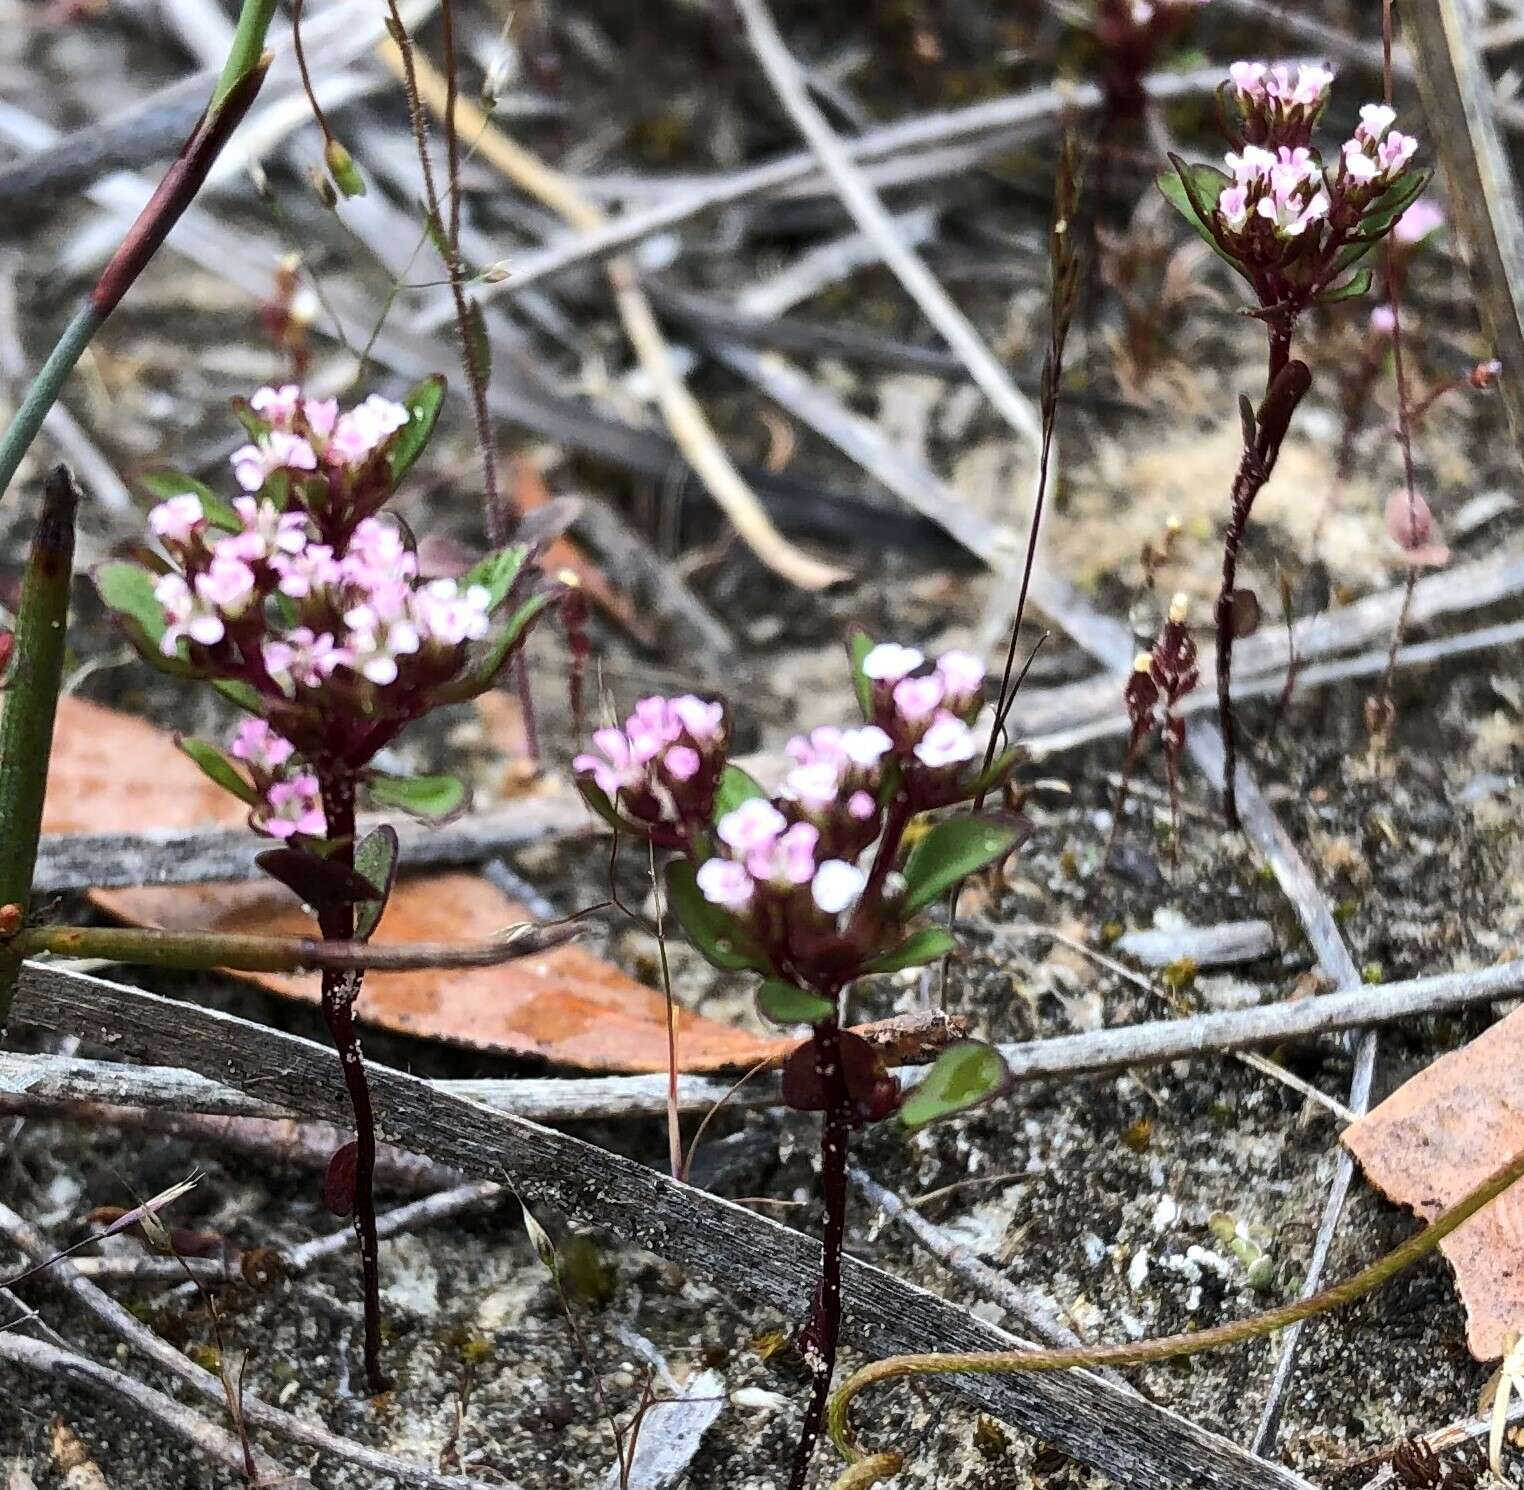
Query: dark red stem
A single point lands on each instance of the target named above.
(822, 1332)
(340, 991)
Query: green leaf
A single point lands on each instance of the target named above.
(1000, 768)
(496, 572)
(859, 644)
(219, 767)
(1383, 213)
(717, 935)
(219, 512)
(423, 404)
(784, 1004)
(916, 950)
(1352, 288)
(951, 852)
(431, 797)
(126, 589)
(236, 691)
(963, 1076)
(736, 786)
(1193, 192)
(375, 860)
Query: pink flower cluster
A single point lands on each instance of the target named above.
(664, 766)
(1284, 187)
(767, 864)
(304, 431)
(1277, 107)
(926, 715)
(362, 609)
(290, 802)
(830, 809)
(1377, 154)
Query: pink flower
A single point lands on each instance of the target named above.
(962, 676)
(357, 433)
(448, 616)
(703, 720)
(279, 450)
(836, 886)
(756, 823)
(291, 807)
(377, 639)
(866, 746)
(266, 531)
(917, 699)
(616, 768)
(321, 413)
(278, 405)
(949, 742)
(888, 662)
(1421, 219)
(814, 787)
(306, 572)
(201, 609)
(178, 519)
(861, 806)
(724, 882)
(1383, 320)
(255, 742)
(304, 658)
(681, 763)
(1377, 153)
(377, 555)
(788, 859)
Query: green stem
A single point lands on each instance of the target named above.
(248, 46)
(1171, 1347)
(46, 387)
(198, 951)
(241, 76)
(26, 728)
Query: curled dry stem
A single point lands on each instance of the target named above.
(1167, 1347)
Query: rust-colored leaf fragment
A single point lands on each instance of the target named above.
(1440, 1135)
(115, 773)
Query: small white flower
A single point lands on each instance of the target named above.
(888, 662)
(836, 886)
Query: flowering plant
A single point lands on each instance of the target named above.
(820, 883)
(1295, 228)
(302, 602)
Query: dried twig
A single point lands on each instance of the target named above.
(868, 212)
(257, 1413)
(215, 1442)
(1126, 1437)
(687, 422)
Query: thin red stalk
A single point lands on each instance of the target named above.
(340, 991)
(822, 1334)
(1404, 418)
(301, 66)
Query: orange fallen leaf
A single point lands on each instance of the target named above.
(566, 1005)
(112, 772)
(1438, 1136)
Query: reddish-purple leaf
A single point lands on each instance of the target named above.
(339, 1182)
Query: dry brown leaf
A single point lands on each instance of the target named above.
(566, 1005)
(112, 773)
(1440, 1135)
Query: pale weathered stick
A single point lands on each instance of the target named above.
(687, 422)
(1458, 98)
(257, 1413)
(1132, 1440)
(55, 1078)
(869, 213)
(121, 1390)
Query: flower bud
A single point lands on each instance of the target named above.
(341, 166)
(322, 187)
